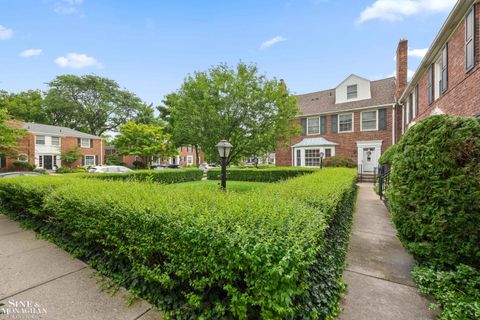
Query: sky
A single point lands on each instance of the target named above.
(150, 46)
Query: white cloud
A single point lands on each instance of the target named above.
(64, 7)
(77, 61)
(395, 10)
(30, 53)
(5, 33)
(271, 42)
(418, 53)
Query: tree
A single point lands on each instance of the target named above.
(145, 141)
(70, 156)
(90, 104)
(8, 136)
(250, 111)
(26, 106)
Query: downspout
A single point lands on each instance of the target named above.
(394, 124)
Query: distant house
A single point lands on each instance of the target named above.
(448, 78)
(43, 145)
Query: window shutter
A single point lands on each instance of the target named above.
(445, 68)
(382, 119)
(303, 122)
(83, 161)
(323, 124)
(79, 142)
(416, 100)
(430, 85)
(96, 160)
(334, 120)
(3, 162)
(91, 143)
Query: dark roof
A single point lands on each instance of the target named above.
(56, 130)
(382, 92)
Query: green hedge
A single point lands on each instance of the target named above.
(162, 176)
(260, 175)
(339, 161)
(273, 253)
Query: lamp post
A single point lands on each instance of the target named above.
(224, 148)
(321, 159)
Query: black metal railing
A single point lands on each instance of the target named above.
(383, 180)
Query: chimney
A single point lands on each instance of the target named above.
(402, 67)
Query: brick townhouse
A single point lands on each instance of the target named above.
(43, 145)
(448, 78)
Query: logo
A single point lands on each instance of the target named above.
(22, 309)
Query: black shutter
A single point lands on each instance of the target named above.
(430, 85)
(91, 143)
(79, 142)
(445, 68)
(96, 160)
(323, 124)
(3, 162)
(303, 122)
(83, 161)
(334, 120)
(382, 119)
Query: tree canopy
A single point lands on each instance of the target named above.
(8, 136)
(145, 141)
(236, 104)
(26, 106)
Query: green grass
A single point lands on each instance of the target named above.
(214, 185)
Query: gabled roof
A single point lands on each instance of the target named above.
(314, 142)
(45, 129)
(352, 76)
(383, 93)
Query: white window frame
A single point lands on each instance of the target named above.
(356, 91)
(305, 156)
(23, 155)
(437, 78)
(189, 159)
(470, 40)
(82, 140)
(338, 124)
(59, 141)
(376, 120)
(40, 144)
(85, 160)
(308, 126)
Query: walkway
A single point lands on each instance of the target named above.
(378, 270)
(34, 271)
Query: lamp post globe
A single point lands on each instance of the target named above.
(224, 148)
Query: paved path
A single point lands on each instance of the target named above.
(36, 271)
(378, 270)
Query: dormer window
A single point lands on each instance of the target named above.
(352, 91)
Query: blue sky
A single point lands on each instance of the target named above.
(149, 46)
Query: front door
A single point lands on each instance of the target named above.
(368, 162)
(48, 162)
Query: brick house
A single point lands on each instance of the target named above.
(448, 78)
(43, 144)
(352, 120)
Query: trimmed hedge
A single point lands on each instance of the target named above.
(339, 161)
(260, 175)
(162, 176)
(435, 190)
(273, 253)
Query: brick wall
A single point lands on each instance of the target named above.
(68, 143)
(347, 141)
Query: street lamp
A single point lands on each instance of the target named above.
(321, 159)
(223, 148)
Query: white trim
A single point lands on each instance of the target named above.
(310, 134)
(44, 140)
(379, 106)
(302, 154)
(376, 120)
(338, 122)
(82, 145)
(375, 144)
(85, 160)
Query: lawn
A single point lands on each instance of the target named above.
(234, 186)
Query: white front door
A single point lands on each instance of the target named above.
(369, 159)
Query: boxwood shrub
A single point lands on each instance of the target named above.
(435, 190)
(162, 176)
(273, 253)
(260, 175)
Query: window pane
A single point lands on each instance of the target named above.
(469, 27)
(345, 122)
(312, 157)
(328, 152)
(352, 91)
(299, 158)
(469, 53)
(40, 139)
(369, 120)
(89, 160)
(313, 125)
(55, 141)
(85, 143)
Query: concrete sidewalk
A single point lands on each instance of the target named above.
(38, 280)
(378, 270)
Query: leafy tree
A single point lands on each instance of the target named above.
(26, 106)
(145, 141)
(239, 105)
(8, 136)
(90, 104)
(70, 156)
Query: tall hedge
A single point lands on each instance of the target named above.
(271, 254)
(162, 176)
(260, 175)
(435, 190)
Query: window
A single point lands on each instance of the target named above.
(40, 161)
(85, 143)
(189, 149)
(40, 140)
(369, 120)
(444, 70)
(89, 160)
(189, 160)
(328, 152)
(345, 122)
(430, 85)
(299, 158)
(313, 125)
(352, 91)
(410, 108)
(22, 157)
(469, 40)
(55, 141)
(312, 157)
(416, 100)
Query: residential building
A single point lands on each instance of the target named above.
(43, 145)
(448, 78)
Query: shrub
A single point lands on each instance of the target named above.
(139, 165)
(23, 166)
(339, 161)
(435, 194)
(162, 176)
(79, 169)
(64, 170)
(387, 157)
(202, 254)
(260, 175)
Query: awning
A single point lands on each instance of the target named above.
(314, 142)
